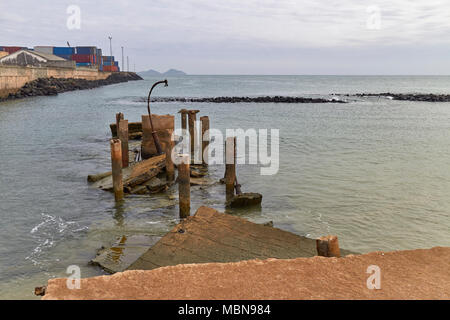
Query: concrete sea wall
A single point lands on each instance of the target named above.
(12, 78)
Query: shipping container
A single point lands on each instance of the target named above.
(107, 63)
(83, 58)
(65, 56)
(63, 51)
(86, 50)
(44, 49)
(83, 64)
(11, 49)
(3, 54)
(110, 68)
(108, 58)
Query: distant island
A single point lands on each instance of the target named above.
(168, 73)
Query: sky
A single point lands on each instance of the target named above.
(341, 37)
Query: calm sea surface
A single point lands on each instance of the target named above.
(375, 172)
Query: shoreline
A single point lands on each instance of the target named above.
(52, 86)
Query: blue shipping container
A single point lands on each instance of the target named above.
(86, 50)
(83, 64)
(116, 63)
(63, 51)
(107, 63)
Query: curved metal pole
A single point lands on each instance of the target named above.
(154, 134)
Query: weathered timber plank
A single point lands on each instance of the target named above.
(135, 174)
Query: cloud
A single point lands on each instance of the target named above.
(156, 32)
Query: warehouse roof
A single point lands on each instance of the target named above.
(44, 56)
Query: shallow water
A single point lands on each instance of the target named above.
(373, 171)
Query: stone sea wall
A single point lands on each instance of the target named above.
(13, 78)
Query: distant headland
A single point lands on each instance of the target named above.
(154, 73)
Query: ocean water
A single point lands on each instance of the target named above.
(374, 171)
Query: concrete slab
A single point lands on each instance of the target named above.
(414, 274)
(124, 252)
(210, 236)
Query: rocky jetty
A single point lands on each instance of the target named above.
(266, 99)
(426, 97)
(52, 86)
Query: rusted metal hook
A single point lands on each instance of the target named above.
(154, 134)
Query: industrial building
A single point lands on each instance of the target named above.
(36, 59)
(80, 56)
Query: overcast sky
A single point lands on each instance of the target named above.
(246, 36)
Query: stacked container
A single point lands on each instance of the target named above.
(11, 49)
(44, 49)
(64, 52)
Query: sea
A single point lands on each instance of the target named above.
(373, 171)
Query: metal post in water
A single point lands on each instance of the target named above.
(119, 116)
(170, 168)
(328, 246)
(122, 134)
(230, 166)
(116, 164)
(192, 130)
(184, 186)
(205, 138)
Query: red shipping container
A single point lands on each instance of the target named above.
(110, 68)
(11, 49)
(83, 58)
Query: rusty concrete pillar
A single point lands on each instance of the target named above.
(184, 186)
(205, 138)
(230, 166)
(116, 164)
(328, 246)
(119, 116)
(122, 134)
(192, 130)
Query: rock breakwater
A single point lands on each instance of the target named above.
(52, 86)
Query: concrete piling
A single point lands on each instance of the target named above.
(328, 246)
(116, 164)
(184, 186)
(230, 166)
(205, 138)
(122, 134)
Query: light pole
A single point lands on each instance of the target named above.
(110, 46)
(123, 61)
